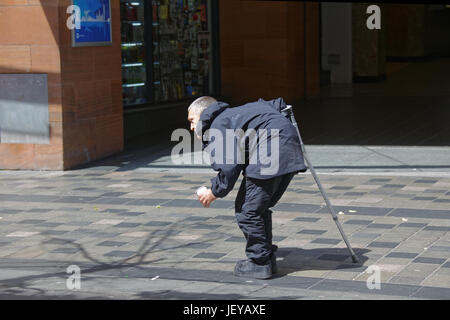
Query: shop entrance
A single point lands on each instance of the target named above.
(382, 87)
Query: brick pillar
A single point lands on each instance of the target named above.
(91, 95)
(29, 44)
(263, 49)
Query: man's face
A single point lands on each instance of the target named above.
(193, 119)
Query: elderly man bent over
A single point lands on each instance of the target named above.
(269, 156)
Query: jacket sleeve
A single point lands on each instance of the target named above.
(278, 104)
(225, 180)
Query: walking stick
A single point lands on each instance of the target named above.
(289, 113)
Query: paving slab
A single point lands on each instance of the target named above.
(133, 240)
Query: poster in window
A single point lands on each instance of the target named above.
(95, 23)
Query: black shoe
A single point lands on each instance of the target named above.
(249, 269)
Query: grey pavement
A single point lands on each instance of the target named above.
(136, 231)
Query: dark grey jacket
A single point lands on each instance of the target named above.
(253, 159)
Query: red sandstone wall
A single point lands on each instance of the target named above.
(263, 49)
(91, 95)
(29, 44)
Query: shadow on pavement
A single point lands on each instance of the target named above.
(140, 266)
(156, 241)
(296, 259)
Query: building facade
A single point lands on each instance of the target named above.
(67, 100)
(65, 105)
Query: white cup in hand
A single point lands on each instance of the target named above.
(201, 191)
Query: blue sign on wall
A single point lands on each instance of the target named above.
(95, 23)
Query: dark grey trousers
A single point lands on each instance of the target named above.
(253, 214)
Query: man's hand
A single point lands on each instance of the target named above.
(206, 198)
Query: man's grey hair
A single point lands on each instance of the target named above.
(199, 105)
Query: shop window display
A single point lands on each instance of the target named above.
(165, 50)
